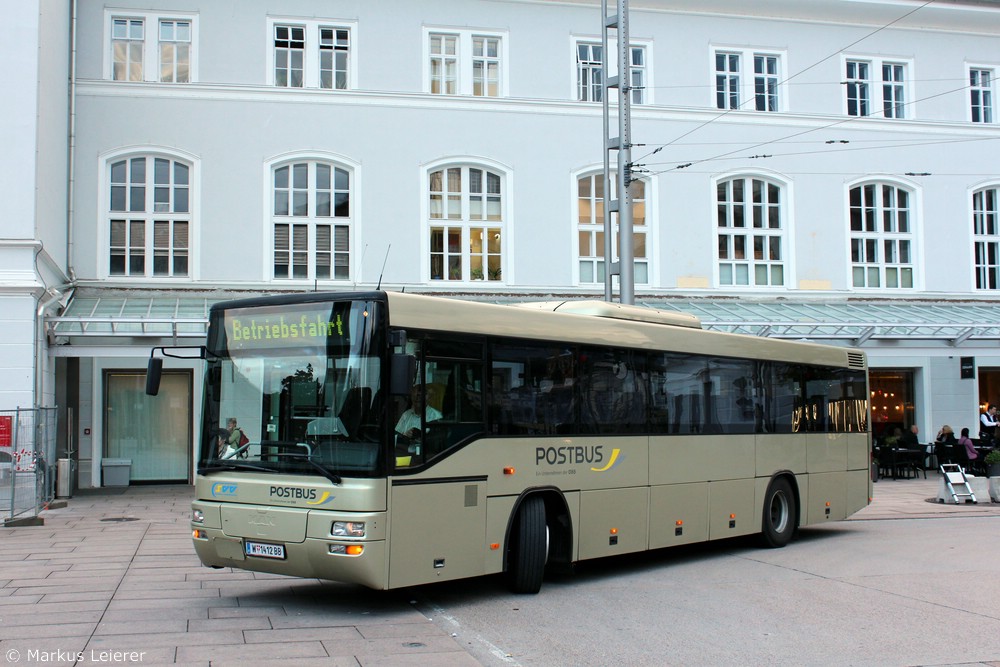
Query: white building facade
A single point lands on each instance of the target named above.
(821, 170)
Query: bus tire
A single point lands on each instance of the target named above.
(527, 556)
(778, 517)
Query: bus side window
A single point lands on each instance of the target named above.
(614, 391)
(534, 389)
(456, 383)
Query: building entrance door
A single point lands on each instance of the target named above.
(989, 388)
(892, 401)
(154, 432)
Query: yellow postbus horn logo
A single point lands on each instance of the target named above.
(611, 462)
(322, 499)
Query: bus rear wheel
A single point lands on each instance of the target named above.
(529, 550)
(778, 520)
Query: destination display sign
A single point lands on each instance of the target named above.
(315, 325)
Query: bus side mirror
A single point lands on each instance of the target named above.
(402, 369)
(153, 371)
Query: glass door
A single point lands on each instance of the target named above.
(153, 432)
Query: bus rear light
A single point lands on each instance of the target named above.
(678, 523)
(509, 470)
(347, 549)
(199, 534)
(348, 529)
(494, 546)
(614, 531)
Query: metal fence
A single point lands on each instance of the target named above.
(27, 461)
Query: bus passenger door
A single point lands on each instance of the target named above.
(437, 530)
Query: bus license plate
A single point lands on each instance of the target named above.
(265, 550)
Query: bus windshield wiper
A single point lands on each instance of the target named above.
(234, 465)
(333, 477)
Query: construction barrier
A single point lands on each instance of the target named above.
(27, 462)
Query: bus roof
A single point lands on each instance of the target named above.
(584, 322)
(581, 321)
(616, 311)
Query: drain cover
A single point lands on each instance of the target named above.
(122, 518)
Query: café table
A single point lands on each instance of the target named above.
(902, 461)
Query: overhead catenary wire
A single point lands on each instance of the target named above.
(842, 121)
(800, 72)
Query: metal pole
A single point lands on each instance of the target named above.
(608, 229)
(13, 467)
(626, 263)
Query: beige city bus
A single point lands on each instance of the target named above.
(398, 439)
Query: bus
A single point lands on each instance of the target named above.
(398, 439)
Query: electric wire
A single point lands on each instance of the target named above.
(818, 62)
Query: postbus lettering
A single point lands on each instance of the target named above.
(293, 492)
(575, 454)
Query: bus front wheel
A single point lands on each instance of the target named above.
(778, 520)
(529, 548)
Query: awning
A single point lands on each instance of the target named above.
(113, 314)
(856, 322)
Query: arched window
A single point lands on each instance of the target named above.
(466, 211)
(311, 216)
(751, 234)
(590, 229)
(881, 236)
(986, 237)
(149, 217)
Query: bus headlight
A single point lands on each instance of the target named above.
(348, 529)
(198, 516)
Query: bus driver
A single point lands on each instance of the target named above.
(408, 425)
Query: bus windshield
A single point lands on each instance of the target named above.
(295, 388)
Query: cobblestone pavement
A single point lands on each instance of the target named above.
(112, 578)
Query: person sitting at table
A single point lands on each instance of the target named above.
(944, 445)
(909, 439)
(946, 436)
(970, 448)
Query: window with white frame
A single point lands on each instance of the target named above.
(151, 47)
(590, 229)
(750, 232)
(981, 93)
(311, 217)
(876, 87)
(986, 237)
(589, 61)
(312, 53)
(893, 90)
(466, 223)
(463, 62)
(733, 71)
(858, 86)
(590, 85)
(149, 217)
(881, 236)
